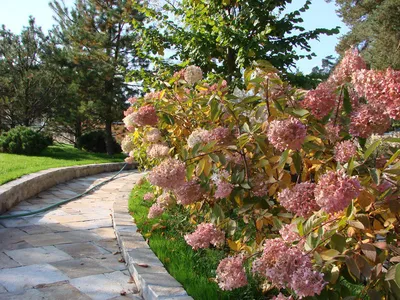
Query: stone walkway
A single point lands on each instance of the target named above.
(70, 252)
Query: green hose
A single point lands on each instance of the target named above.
(63, 201)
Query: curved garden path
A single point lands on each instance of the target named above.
(70, 252)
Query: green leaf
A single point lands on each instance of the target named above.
(283, 158)
(338, 242)
(350, 166)
(371, 149)
(394, 156)
(215, 110)
(278, 106)
(301, 112)
(346, 101)
(251, 99)
(329, 254)
(392, 140)
(297, 162)
(375, 175)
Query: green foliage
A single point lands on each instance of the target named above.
(23, 140)
(29, 89)
(375, 28)
(13, 166)
(95, 141)
(226, 36)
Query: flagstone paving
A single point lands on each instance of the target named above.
(70, 252)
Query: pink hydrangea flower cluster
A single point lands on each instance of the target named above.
(157, 151)
(299, 199)
(148, 196)
(307, 282)
(193, 74)
(165, 200)
(129, 121)
(128, 111)
(127, 144)
(281, 264)
(170, 174)
(344, 151)
(380, 88)
(351, 62)
(224, 189)
(321, 100)
(130, 160)
(220, 134)
(146, 115)
(155, 211)
(259, 186)
(152, 96)
(196, 137)
(332, 132)
(368, 119)
(231, 274)
(335, 190)
(190, 192)
(132, 100)
(289, 234)
(153, 135)
(286, 134)
(206, 234)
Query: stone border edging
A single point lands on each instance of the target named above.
(152, 279)
(27, 186)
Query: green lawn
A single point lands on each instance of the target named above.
(13, 166)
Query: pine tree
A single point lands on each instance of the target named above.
(374, 28)
(29, 90)
(100, 43)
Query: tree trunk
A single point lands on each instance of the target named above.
(231, 64)
(109, 138)
(77, 132)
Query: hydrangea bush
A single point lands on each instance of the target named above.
(283, 178)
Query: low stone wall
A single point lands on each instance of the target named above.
(152, 279)
(30, 185)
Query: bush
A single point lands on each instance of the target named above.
(22, 140)
(284, 179)
(95, 141)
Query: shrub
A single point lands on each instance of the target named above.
(95, 141)
(23, 140)
(286, 175)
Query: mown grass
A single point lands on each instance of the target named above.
(13, 166)
(195, 270)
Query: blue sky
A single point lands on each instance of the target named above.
(14, 14)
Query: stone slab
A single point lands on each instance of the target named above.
(6, 262)
(46, 239)
(80, 250)
(61, 291)
(80, 267)
(104, 289)
(18, 279)
(39, 255)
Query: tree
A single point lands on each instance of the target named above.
(227, 36)
(29, 90)
(374, 28)
(100, 45)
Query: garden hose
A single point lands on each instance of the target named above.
(63, 201)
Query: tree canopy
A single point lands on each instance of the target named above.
(374, 28)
